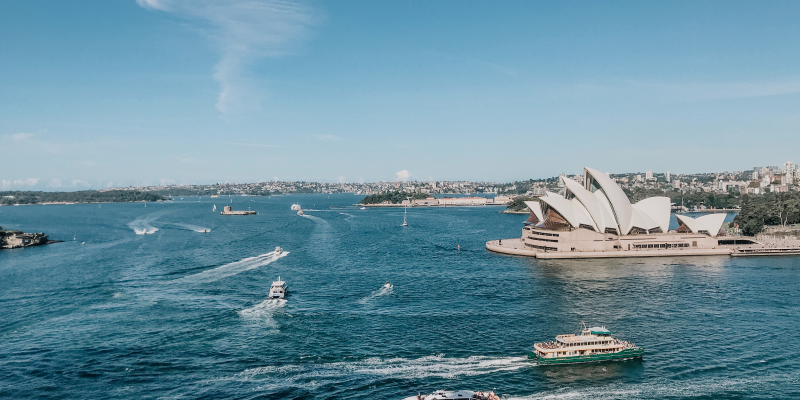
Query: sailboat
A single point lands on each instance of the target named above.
(215, 208)
(405, 212)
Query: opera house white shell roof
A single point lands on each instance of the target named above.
(601, 205)
(709, 224)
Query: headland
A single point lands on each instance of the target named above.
(11, 239)
(595, 219)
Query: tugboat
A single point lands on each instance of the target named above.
(278, 289)
(593, 344)
(455, 395)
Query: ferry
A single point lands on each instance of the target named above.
(456, 395)
(593, 344)
(278, 289)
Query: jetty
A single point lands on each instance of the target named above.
(228, 211)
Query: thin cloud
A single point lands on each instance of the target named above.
(244, 31)
(725, 90)
(268, 146)
(18, 137)
(328, 138)
(7, 183)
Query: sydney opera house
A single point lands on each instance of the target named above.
(596, 218)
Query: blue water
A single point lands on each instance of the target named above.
(182, 314)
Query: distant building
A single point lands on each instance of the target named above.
(755, 175)
(648, 175)
(667, 177)
(676, 184)
(463, 201)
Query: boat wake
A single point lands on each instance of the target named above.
(143, 225)
(193, 227)
(263, 311)
(383, 291)
(236, 267)
(377, 369)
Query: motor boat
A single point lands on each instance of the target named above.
(363, 208)
(456, 395)
(278, 290)
(278, 250)
(388, 285)
(300, 212)
(295, 207)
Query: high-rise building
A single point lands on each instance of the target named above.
(648, 175)
(788, 168)
(755, 175)
(667, 177)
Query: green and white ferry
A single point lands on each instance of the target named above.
(593, 344)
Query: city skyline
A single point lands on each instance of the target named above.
(147, 92)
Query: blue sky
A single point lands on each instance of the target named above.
(115, 93)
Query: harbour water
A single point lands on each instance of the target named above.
(153, 307)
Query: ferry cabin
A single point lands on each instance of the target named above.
(598, 342)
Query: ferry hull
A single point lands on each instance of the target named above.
(628, 353)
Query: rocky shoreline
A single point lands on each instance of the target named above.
(19, 239)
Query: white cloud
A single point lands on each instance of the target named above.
(725, 90)
(403, 175)
(244, 31)
(78, 182)
(17, 137)
(328, 138)
(268, 146)
(7, 184)
(165, 182)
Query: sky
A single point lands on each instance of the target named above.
(97, 94)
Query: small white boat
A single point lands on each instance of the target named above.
(363, 208)
(278, 289)
(295, 207)
(455, 395)
(215, 208)
(300, 212)
(388, 285)
(278, 250)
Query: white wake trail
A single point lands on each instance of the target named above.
(236, 267)
(383, 291)
(190, 227)
(377, 369)
(143, 225)
(264, 311)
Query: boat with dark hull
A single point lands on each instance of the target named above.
(593, 344)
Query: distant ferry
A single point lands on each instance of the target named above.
(593, 344)
(228, 211)
(455, 395)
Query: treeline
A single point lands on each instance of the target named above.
(768, 209)
(690, 199)
(392, 197)
(83, 196)
(518, 204)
